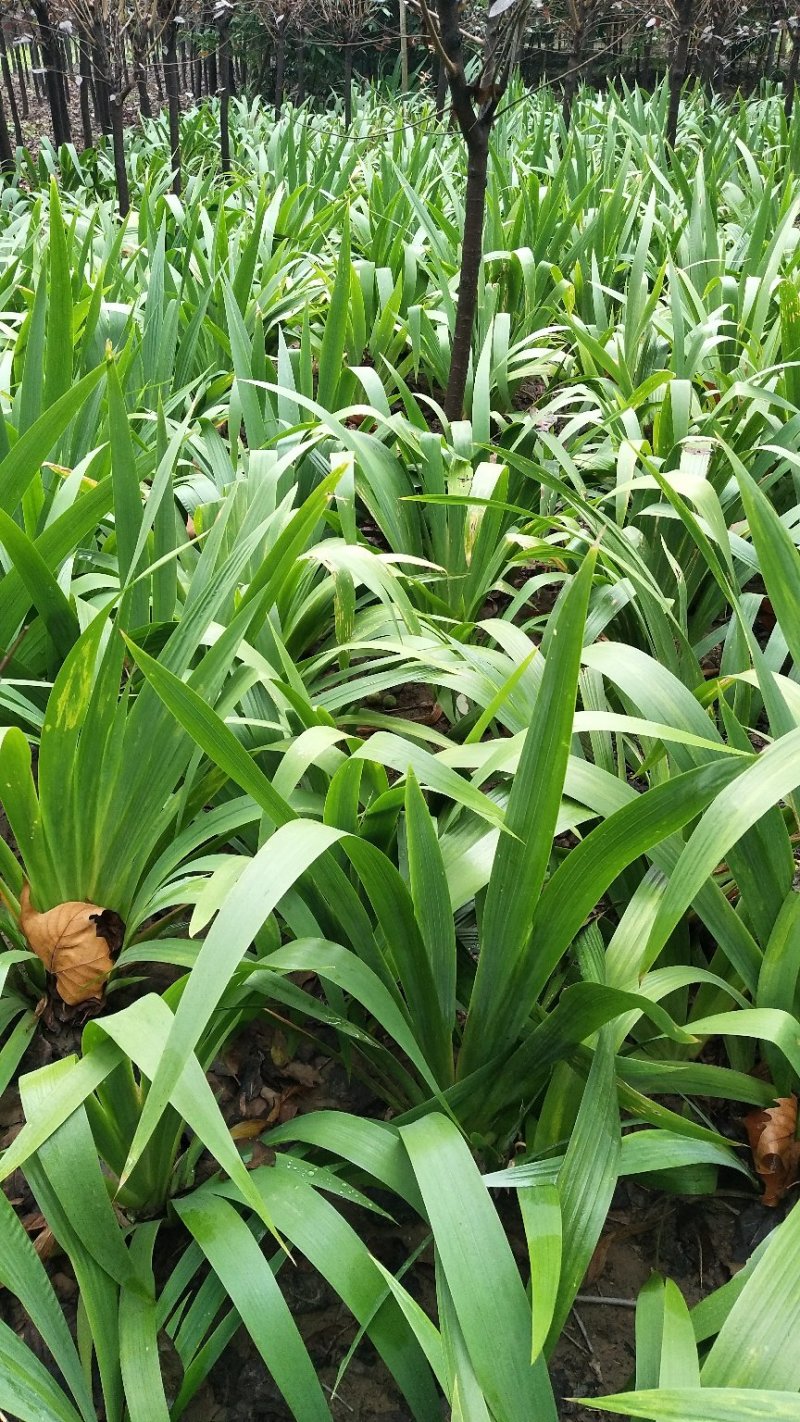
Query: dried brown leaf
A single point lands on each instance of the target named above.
(282, 1106)
(76, 942)
(247, 1130)
(303, 1073)
(599, 1259)
(260, 1155)
(44, 1241)
(776, 1150)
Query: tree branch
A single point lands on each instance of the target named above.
(435, 39)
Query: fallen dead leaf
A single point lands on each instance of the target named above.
(247, 1130)
(282, 1105)
(303, 1073)
(76, 942)
(44, 1241)
(776, 1149)
(260, 1155)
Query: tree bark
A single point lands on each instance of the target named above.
(224, 96)
(101, 76)
(678, 67)
(474, 114)
(60, 79)
(6, 151)
(441, 90)
(120, 171)
(174, 104)
(791, 75)
(403, 46)
(301, 72)
(471, 258)
(280, 64)
(348, 86)
(647, 58)
(53, 80)
(573, 75)
(86, 74)
(65, 67)
(770, 51)
(19, 62)
(158, 69)
(261, 75)
(37, 65)
(140, 71)
(9, 83)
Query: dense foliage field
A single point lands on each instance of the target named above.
(465, 751)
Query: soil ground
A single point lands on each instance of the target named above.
(38, 122)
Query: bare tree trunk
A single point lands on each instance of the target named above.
(120, 171)
(19, 63)
(301, 72)
(174, 103)
(102, 77)
(348, 86)
(441, 90)
(86, 73)
(770, 51)
(53, 79)
(791, 74)
(9, 83)
(224, 94)
(65, 67)
(6, 152)
(280, 64)
(475, 116)
(403, 46)
(572, 77)
(647, 59)
(471, 257)
(140, 71)
(37, 66)
(708, 70)
(63, 93)
(158, 68)
(677, 69)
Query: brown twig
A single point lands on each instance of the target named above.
(604, 1299)
(6, 658)
(436, 38)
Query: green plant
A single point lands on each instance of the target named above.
(465, 749)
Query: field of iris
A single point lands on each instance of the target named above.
(466, 750)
